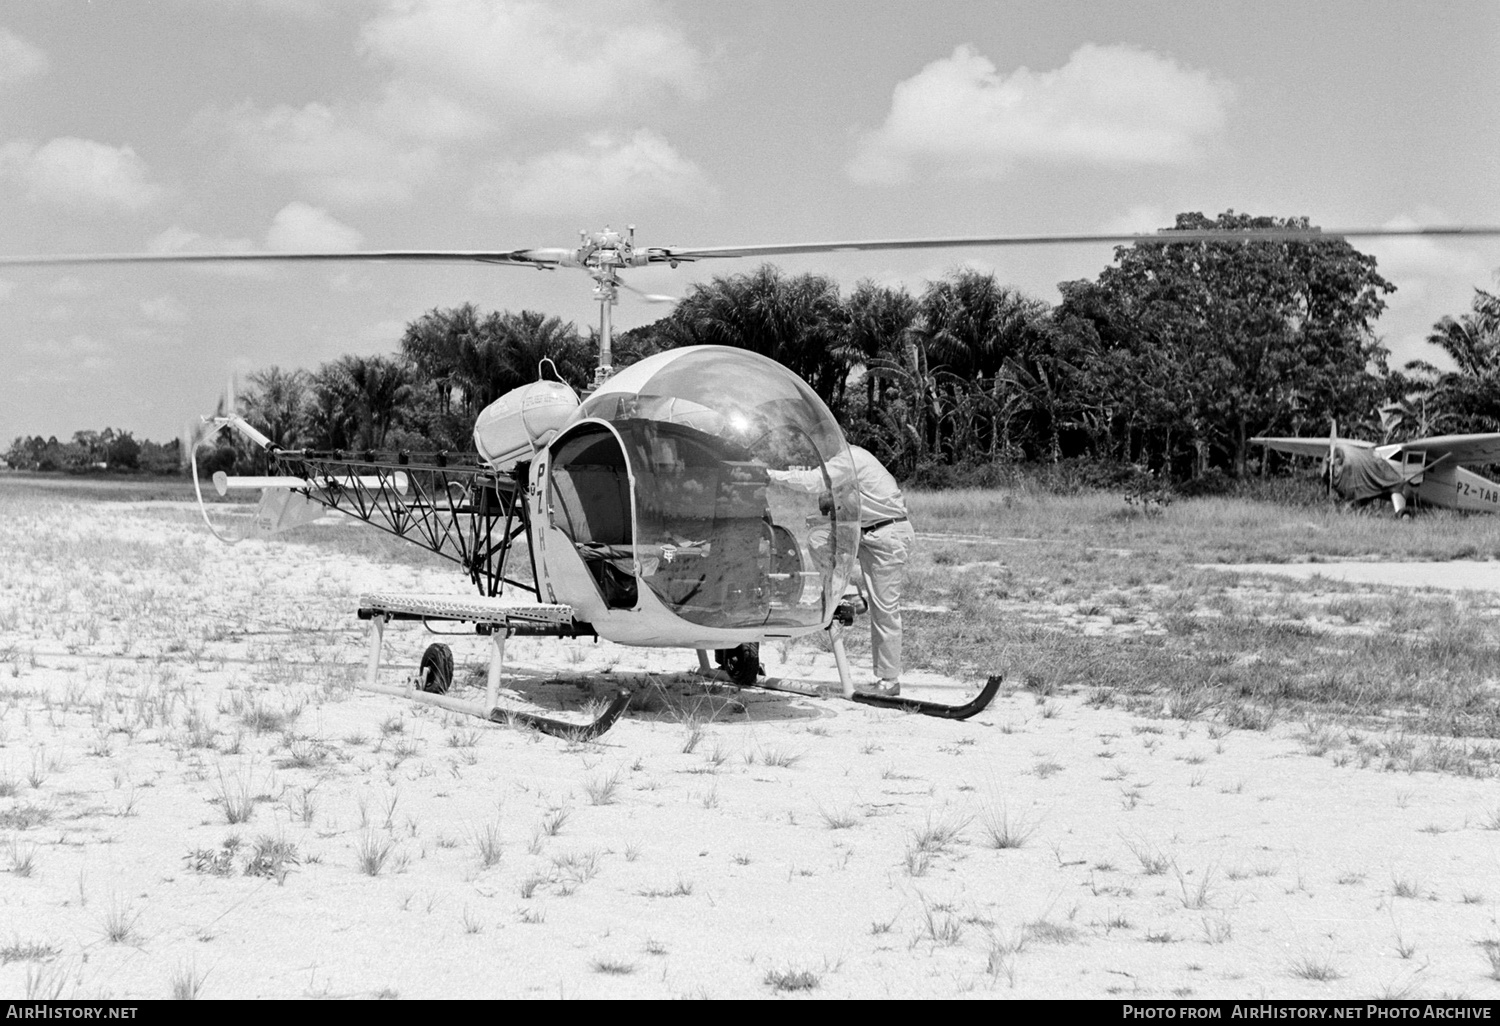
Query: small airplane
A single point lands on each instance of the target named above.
(1430, 470)
(657, 510)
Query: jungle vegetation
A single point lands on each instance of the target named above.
(1165, 364)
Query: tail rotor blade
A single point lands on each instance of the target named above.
(649, 297)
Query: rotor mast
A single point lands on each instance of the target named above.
(603, 253)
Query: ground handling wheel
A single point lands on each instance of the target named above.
(741, 663)
(436, 670)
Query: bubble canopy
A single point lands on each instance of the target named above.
(744, 508)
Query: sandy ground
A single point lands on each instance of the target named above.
(721, 846)
(1456, 575)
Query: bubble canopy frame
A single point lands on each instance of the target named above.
(712, 482)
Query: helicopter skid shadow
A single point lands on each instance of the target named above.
(655, 697)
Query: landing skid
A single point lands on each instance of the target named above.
(563, 728)
(947, 712)
(501, 620)
(845, 690)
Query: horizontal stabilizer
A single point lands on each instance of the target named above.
(223, 482)
(396, 482)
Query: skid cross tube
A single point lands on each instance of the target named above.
(499, 621)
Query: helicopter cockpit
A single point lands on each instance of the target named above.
(708, 483)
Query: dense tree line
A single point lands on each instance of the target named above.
(89, 451)
(1169, 361)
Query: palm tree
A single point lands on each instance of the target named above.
(380, 387)
(910, 399)
(432, 343)
(531, 337)
(975, 324)
(797, 321)
(333, 411)
(276, 404)
(1469, 397)
(878, 319)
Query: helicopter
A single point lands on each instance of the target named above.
(655, 510)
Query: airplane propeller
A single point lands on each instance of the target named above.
(1333, 437)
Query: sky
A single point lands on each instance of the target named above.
(209, 125)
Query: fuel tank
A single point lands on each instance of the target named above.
(522, 421)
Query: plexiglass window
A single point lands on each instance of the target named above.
(746, 513)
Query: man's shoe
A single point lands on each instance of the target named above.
(887, 688)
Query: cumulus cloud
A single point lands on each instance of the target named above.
(19, 60)
(1106, 105)
(456, 75)
(164, 310)
(298, 226)
(178, 239)
(338, 155)
(1426, 257)
(79, 349)
(1434, 278)
(1143, 217)
(69, 287)
(526, 59)
(80, 172)
(606, 175)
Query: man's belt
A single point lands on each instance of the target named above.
(877, 525)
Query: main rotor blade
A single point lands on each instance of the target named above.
(549, 258)
(1164, 237)
(546, 258)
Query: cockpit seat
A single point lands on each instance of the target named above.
(591, 504)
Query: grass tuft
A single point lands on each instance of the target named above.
(372, 853)
(1004, 831)
(487, 841)
(1313, 967)
(22, 857)
(236, 797)
(119, 923)
(839, 820)
(24, 817)
(778, 758)
(553, 821)
(1491, 950)
(187, 983)
(681, 889)
(273, 858)
(603, 790)
(792, 980)
(27, 951)
(1153, 861)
